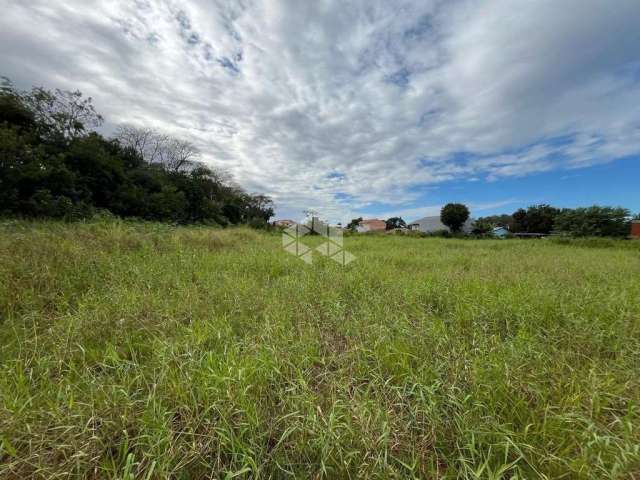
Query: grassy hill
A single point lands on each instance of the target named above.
(147, 351)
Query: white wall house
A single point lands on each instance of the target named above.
(433, 224)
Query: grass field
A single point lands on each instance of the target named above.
(145, 351)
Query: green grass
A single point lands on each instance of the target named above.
(147, 351)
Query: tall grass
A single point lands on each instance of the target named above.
(146, 351)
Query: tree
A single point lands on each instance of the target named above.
(520, 221)
(154, 147)
(179, 155)
(12, 108)
(353, 224)
(503, 220)
(259, 207)
(144, 141)
(594, 221)
(62, 113)
(395, 222)
(540, 218)
(454, 215)
(52, 166)
(482, 226)
(535, 219)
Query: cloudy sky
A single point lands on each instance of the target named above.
(364, 107)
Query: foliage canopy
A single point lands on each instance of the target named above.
(453, 215)
(53, 165)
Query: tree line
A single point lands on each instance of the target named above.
(53, 164)
(594, 221)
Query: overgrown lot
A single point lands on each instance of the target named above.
(146, 351)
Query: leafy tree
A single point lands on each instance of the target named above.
(258, 210)
(482, 226)
(520, 221)
(395, 222)
(454, 215)
(168, 204)
(540, 218)
(535, 219)
(233, 212)
(12, 108)
(594, 221)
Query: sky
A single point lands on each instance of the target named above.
(367, 107)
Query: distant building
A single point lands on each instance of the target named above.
(433, 224)
(371, 225)
(284, 223)
(530, 235)
(635, 229)
(500, 232)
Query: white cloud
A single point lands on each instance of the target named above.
(387, 95)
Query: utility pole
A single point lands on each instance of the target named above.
(313, 214)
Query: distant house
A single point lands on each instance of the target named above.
(371, 225)
(500, 232)
(635, 229)
(284, 223)
(433, 224)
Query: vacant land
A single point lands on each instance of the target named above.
(146, 351)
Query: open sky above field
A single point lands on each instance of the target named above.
(370, 108)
